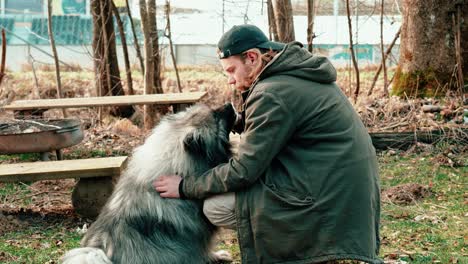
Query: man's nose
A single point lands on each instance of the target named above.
(231, 80)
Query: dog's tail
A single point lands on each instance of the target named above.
(86, 255)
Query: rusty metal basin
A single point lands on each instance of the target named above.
(63, 133)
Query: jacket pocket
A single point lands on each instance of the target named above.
(290, 198)
(282, 223)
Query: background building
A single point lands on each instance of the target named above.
(194, 33)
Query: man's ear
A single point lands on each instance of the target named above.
(251, 57)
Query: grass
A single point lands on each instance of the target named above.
(38, 244)
(19, 191)
(432, 230)
(21, 157)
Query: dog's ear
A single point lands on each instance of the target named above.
(193, 144)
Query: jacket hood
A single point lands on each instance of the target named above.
(296, 61)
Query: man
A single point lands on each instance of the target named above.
(304, 187)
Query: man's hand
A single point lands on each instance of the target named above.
(168, 186)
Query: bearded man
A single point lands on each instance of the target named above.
(304, 187)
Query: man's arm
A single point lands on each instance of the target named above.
(269, 125)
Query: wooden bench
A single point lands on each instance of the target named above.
(179, 101)
(95, 178)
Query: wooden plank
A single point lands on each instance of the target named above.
(62, 169)
(173, 98)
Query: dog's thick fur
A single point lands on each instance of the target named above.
(138, 226)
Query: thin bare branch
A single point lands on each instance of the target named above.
(310, 24)
(457, 31)
(36, 93)
(135, 39)
(4, 45)
(384, 58)
(171, 46)
(123, 38)
(384, 66)
(54, 50)
(351, 49)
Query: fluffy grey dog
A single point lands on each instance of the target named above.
(138, 226)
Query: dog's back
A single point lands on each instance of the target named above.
(138, 226)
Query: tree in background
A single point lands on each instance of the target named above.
(272, 29)
(106, 67)
(310, 24)
(153, 30)
(123, 39)
(433, 48)
(152, 58)
(281, 20)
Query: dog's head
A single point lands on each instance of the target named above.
(208, 135)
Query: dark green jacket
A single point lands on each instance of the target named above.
(306, 176)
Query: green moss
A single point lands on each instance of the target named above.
(427, 83)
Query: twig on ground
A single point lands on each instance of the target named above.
(395, 125)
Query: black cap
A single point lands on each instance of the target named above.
(244, 37)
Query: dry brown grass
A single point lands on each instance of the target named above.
(379, 113)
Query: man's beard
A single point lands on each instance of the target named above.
(250, 77)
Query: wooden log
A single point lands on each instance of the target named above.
(404, 140)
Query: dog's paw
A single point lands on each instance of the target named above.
(221, 256)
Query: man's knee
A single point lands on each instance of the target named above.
(220, 210)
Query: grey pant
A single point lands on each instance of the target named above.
(220, 210)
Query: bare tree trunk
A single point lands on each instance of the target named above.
(168, 35)
(54, 51)
(149, 111)
(123, 38)
(96, 44)
(106, 66)
(155, 40)
(284, 20)
(384, 58)
(384, 66)
(310, 25)
(135, 39)
(105, 42)
(428, 48)
(97, 51)
(273, 30)
(351, 50)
